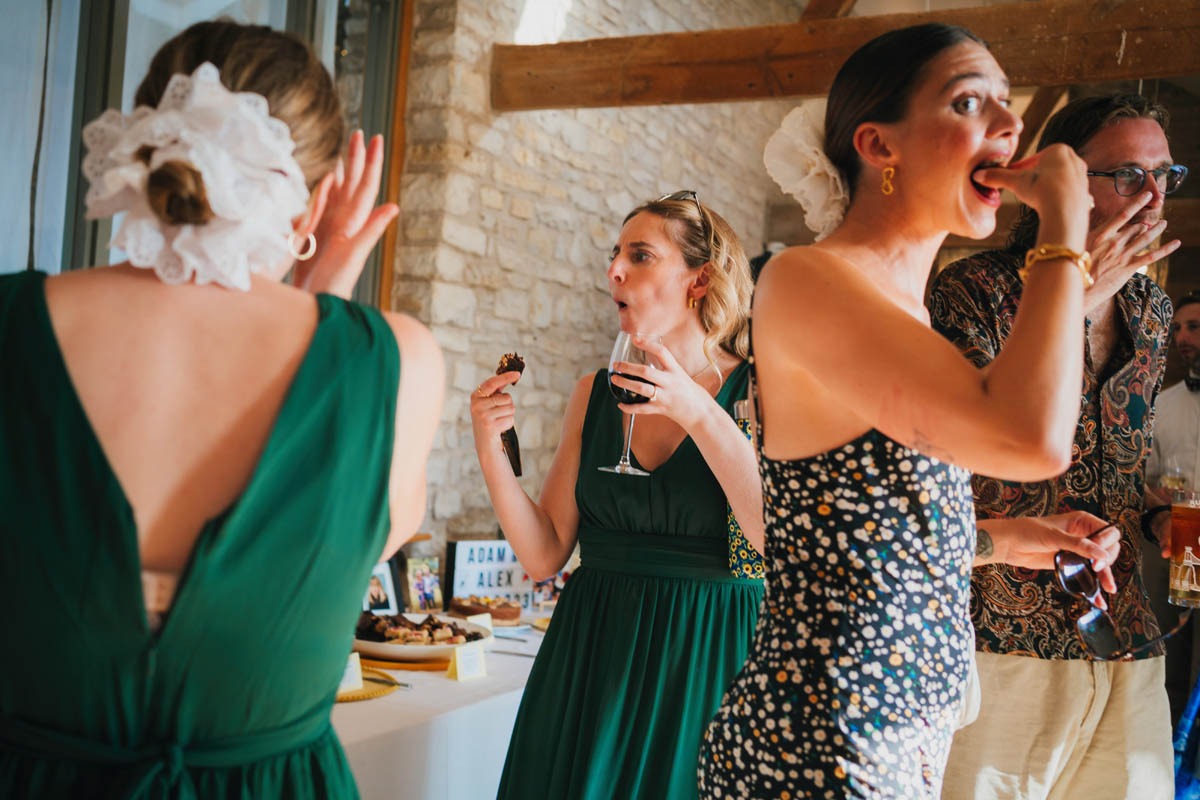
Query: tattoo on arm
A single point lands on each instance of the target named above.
(983, 544)
(921, 442)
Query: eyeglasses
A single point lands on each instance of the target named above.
(1130, 180)
(1097, 629)
(690, 194)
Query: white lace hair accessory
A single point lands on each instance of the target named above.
(254, 186)
(795, 158)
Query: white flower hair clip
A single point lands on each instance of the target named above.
(795, 158)
(253, 185)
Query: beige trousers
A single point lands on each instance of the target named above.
(1065, 730)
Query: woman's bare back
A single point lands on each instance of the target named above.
(181, 385)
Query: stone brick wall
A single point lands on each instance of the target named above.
(508, 219)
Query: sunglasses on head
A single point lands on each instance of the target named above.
(690, 194)
(1096, 628)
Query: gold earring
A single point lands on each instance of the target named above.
(888, 174)
(691, 302)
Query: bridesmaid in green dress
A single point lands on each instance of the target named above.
(195, 480)
(652, 627)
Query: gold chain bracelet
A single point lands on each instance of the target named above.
(1053, 252)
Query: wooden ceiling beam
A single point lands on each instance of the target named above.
(1048, 43)
(827, 9)
(1039, 110)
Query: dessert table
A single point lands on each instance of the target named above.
(442, 739)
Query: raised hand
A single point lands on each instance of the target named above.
(492, 410)
(1120, 248)
(1053, 182)
(351, 223)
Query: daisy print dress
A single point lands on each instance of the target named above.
(856, 678)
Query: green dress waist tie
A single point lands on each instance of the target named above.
(652, 555)
(159, 769)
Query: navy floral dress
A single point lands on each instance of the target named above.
(856, 679)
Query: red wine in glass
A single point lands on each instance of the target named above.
(625, 350)
(622, 394)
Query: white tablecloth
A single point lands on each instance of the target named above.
(443, 739)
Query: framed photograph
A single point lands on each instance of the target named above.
(382, 596)
(424, 588)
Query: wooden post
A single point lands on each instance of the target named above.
(396, 143)
(1039, 110)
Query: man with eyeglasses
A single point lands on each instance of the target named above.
(1058, 720)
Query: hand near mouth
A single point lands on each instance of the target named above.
(1053, 182)
(1120, 247)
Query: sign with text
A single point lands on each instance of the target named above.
(467, 662)
(487, 568)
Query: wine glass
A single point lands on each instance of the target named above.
(625, 350)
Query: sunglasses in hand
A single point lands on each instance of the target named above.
(1096, 628)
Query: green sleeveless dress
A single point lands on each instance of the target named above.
(648, 632)
(231, 698)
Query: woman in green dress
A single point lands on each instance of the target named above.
(653, 625)
(197, 479)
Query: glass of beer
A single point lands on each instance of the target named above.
(1173, 475)
(1185, 549)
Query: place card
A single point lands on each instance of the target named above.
(467, 662)
(352, 679)
(484, 620)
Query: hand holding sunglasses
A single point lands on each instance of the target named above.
(1032, 542)
(1096, 628)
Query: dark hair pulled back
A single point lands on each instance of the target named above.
(250, 58)
(876, 83)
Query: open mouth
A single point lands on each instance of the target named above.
(621, 305)
(987, 194)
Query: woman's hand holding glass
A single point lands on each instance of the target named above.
(1054, 183)
(673, 393)
(351, 224)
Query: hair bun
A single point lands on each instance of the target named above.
(176, 193)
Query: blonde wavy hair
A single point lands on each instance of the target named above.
(704, 237)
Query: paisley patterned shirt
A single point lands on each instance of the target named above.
(973, 303)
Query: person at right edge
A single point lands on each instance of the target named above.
(1054, 722)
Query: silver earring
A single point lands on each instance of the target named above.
(310, 248)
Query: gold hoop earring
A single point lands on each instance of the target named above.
(310, 248)
(888, 174)
(691, 302)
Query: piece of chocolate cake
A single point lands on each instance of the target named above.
(511, 362)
